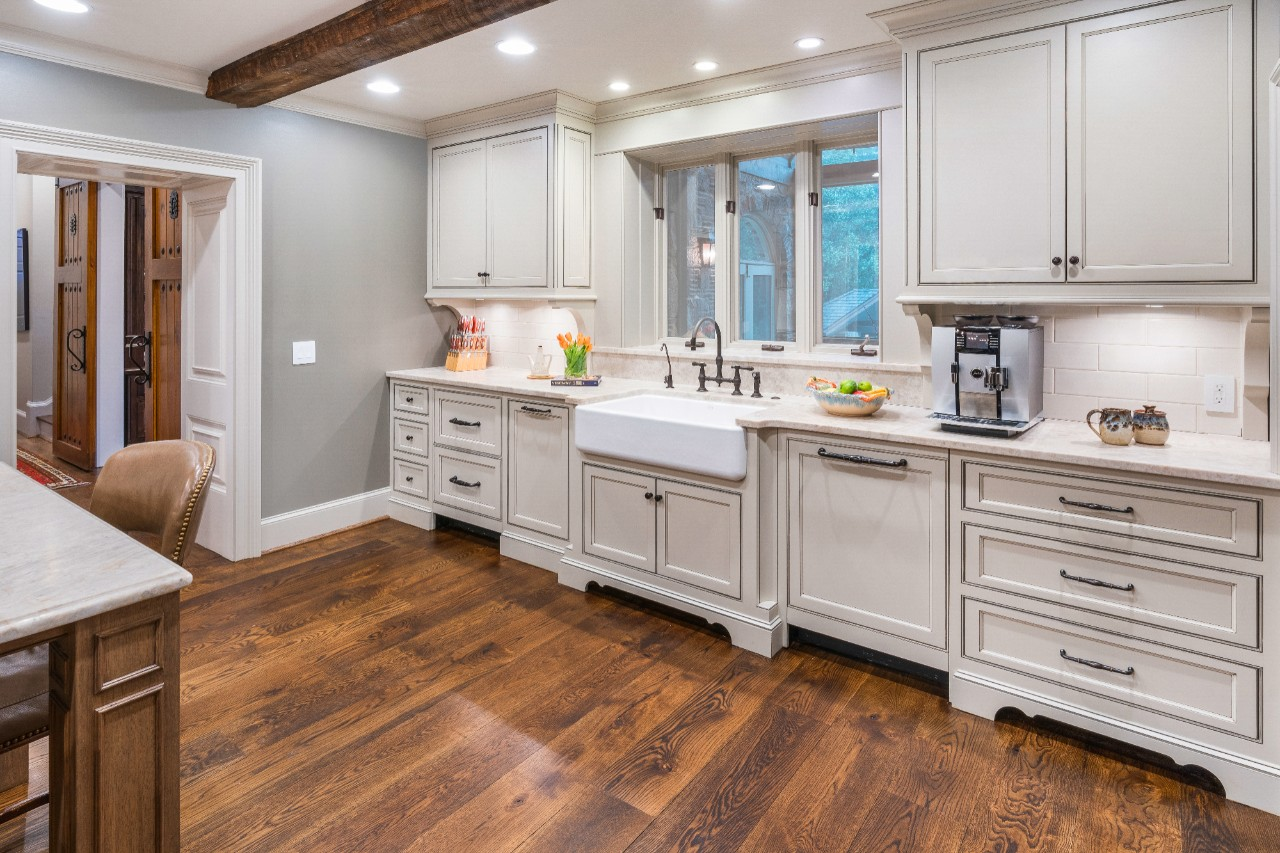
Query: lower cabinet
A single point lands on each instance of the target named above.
(538, 467)
(678, 530)
(465, 481)
(866, 546)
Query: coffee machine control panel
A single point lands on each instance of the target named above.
(978, 340)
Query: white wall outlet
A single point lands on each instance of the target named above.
(304, 352)
(1220, 394)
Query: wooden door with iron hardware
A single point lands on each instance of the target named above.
(162, 265)
(75, 334)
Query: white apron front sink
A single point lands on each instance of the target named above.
(699, 436)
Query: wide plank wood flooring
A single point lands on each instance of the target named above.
(389, 689)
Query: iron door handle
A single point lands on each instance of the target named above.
(1128, 670)
(862, 460)
(457, 422)
(454, 479)
(78, 335)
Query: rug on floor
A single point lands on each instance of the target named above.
(44, 473)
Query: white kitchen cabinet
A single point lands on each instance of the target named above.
(511, 211)
(1116, 149)
(678, 530)
(993, 171)
(867, 538)
(538, 467)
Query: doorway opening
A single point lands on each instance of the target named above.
(211, 288)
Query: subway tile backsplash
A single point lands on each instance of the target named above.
(1128, 356)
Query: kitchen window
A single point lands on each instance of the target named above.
(781, 247)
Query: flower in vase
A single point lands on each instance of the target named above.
(575, 353)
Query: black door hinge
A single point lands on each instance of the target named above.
(659, 213)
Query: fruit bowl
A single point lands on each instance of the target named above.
(847, 405)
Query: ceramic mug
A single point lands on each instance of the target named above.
(1115, 426)
(1150, 426)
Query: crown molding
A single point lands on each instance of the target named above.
(788, 75)
(101, 60)
(516, 109)
(927, 16)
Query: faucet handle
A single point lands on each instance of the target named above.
(737, 367)
(702, 375)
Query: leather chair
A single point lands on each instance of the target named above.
(156, 489)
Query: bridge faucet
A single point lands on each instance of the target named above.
(693, 344)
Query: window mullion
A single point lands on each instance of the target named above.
(807, 263)
(727, 249)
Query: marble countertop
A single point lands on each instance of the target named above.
(1194, 456)
(59, 564)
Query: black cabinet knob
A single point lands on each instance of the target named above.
(1074, 260)
(657, 498)
(648, 496)
(1057, 261)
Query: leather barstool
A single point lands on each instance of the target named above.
(155, 489)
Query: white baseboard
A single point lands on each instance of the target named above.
(312, 521)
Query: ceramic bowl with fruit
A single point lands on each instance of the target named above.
(850, 398)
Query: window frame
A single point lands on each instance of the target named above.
(808, 249)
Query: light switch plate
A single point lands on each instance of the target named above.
(304, 352)
(1220, 394)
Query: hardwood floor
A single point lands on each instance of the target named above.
(389, 689)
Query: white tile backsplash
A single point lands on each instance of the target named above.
(1130, 356)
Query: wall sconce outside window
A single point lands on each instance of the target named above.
(706, 252)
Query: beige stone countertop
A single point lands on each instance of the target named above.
(1212, 458)
(59, 564)
(1195, 456)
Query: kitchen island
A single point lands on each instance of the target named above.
(108, 608)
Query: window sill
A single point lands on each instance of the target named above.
(757, 357)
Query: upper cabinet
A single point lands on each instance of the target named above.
(1109, 149)
(511, 211)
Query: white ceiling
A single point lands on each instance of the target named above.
(583, 45)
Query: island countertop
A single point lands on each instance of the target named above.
(1219, 459)
(59, 564)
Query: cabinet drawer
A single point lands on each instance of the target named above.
(1195, 600)
(1150, 679)
(409, 437)
(468, 482)
(1211, 522)
(409, 477)
(409, 398)
(468, 422)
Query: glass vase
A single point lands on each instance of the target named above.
(575, 362)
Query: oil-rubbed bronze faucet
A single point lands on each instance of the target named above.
(693, 344)
(668, 381)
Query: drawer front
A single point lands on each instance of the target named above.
(1143, 679)
(468, 422)
(409, 477)
(1212, 522)
(468, 482)
(409, 398)
(1195, 600)
(410, 437)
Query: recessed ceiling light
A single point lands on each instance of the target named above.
(619, 86)
(383, 87)
(706, 65)
(766, 186)
(74, 6)
(808, 43)
(516, 47)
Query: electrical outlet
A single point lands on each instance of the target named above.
(1220, 394)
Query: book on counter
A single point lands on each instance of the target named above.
(576, 381)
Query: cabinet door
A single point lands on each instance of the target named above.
(519, 209)
(867, 540)
(538, 467)
(1160, 144)
(458, 222)
(618, 516)
(992, 160)
(575, 208)
(700, 537)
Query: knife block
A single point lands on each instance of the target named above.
(466, 360)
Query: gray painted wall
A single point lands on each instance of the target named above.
(344, 261)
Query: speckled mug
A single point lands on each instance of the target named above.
(1115, 426)
(1150, 426)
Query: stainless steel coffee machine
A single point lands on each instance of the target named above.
(988, 375)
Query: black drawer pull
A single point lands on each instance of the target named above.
(457, 422)
(861, 460)
(1128, 670)
(408, 399)
(1095, 582)
(408, 479)
(408, 438)
(454, 479)
(1099, 507)
(533, 411)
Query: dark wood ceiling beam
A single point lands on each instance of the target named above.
(370, 33)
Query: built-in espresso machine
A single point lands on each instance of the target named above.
(988, 375)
